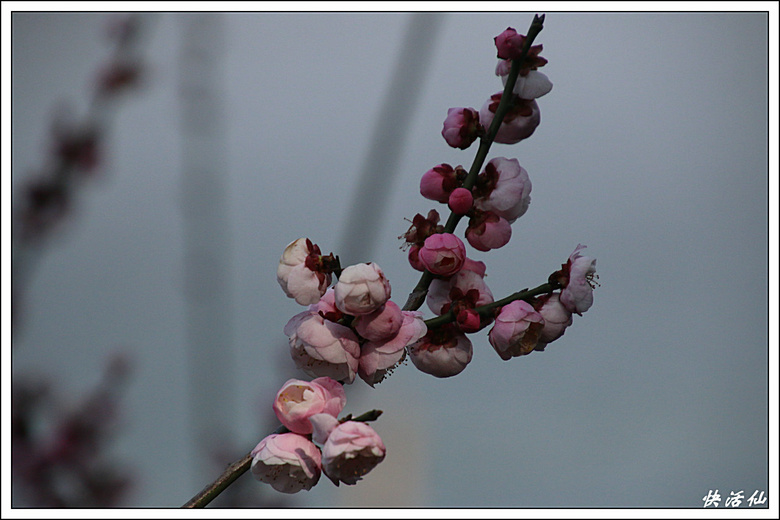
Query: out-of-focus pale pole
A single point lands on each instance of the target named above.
(389, 136)
(206, 230)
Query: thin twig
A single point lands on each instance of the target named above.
(239, 467)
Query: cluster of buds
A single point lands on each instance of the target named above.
(315, 441)
(492, 200)
(350, 329)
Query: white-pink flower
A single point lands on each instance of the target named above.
(298, 400)
(361, 289)
(519, 123)
(516, 330)
(297, 272)
(504, 188)
(577, 293)
(531, 86)
(443, 254)
(379, 358)
(322, 348)
(440, 291)
(288, 461)
(443, 352)
(556, 318)
(351, 450)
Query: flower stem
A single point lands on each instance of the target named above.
(239, 467)
(417, 296)
(484, 310)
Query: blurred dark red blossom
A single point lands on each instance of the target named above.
(77, 147)
(45, 204)
(61, 460)
(118, 76)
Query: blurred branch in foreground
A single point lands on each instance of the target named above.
(44, 200)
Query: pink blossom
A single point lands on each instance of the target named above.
(461, 128)
(379, 358)
(487, 231)
(556, 318)
(322, 348)
(443, 254)
(516, 330)
(288, 461)
(440, 292)
(298, 400)
(503, 188)
(510, 45)
(580, 278)
(460, 201)
(361, 289)
(476, 266)
(438, 182)
(381, 324)
(443, 352)
(299, 272)
(519, 123)
(353, 449)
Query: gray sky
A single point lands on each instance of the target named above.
(652, 152)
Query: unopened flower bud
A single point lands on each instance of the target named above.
(438, 182)
(414, 258)
(288, 461)
(353, 449)
(361, 289)
(516, 330)
(556, 319)
(468, 321)
(443, 352)
(461, 128)
(487, 231)
(503, 188)
(301, 272)
(380, 324)
(379, 358)
(443, 254)
(322, 348)
(460, 201)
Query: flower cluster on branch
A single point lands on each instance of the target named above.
(353, 329)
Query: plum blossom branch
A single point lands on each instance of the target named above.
(417, 296)
(353, 328)
(488, 309)
(242, 465)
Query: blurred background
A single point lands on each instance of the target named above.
(147, 326)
